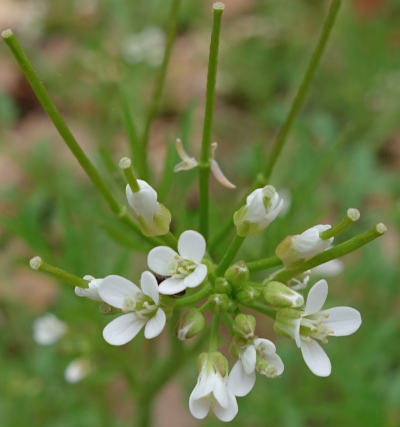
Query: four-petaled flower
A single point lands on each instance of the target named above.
(140, 305)
(311, 325)
(183, 270)
(258, 355)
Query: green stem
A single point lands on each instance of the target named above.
(204, 163)
(170, 240)
(221, 235)
(192, 299)
(213, 344)
(303, 88)
(126, 165)
(229, 255)
(144, 412)
(352, 215)
(333, 253)
(159, 87)
(257, 306)
(38, 264)
(229, 322)
(48, 105)
(264, 264)
(130, 127)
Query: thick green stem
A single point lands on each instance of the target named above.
(229, 255)
(155, 102)
(264, 264)
(38, 264)
(144, 409)
(257, 306)
(204, 163)
(303, 88)
(333, 253)
(69, 139)
(192, 299)
(352, 215)
(213, 344)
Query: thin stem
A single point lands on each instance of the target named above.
(64, 131)
(38, 264)
(303, 88)
(155, 102)
(204, 163)
(257, 306)
(352, 215)
(213, 344)
(129, 126)
(221, 235)
(192, 299)
(229, 322)
(335, 252)
(264, 264)
(126, 165)
(144, 412)
(229, 255)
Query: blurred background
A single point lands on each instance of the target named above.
(343, 151)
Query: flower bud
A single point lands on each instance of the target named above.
(220, 303)
(191, 323)
(219, 363)
(237, 344)
(280, 295)
(244, 325)
(248, 294)
(262, 207)
(287, 322)
(237, 274)
(222, 286)
(293, 250)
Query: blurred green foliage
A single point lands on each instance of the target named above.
(341, 153)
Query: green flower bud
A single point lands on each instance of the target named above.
(220, 303)
(244, 325)
(159, 225)
(287, 322)
(280, 295)
(237, 274)
(222, 286)
(190, 324)
(248, 294)
(237, 344)
(219, 363)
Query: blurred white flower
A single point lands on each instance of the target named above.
(92, 291)
(311, 325)
(48, 329)
(77, 370)
(287, 201)
(329, 269)
(184, 270)
(140, 305)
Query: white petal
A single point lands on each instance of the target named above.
(198, 407)
(316, 297)
(171, 286)
(123, 329)
(255, 207)
(113, 290)
(219, 175)
(197, 277)
(144, 202)
(342, 320)
(248, 359)
(264, 345)
(229, 413)
(149, 286)
(155, 325)
(316, 358)
(221, 391)
(331, 268)
(161, 260)
(192, 246)
(205, 385)
(274, 360)
(91, 293)
(239, 382)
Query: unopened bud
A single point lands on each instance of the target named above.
(279, 295)
(222, 286)
(244, 325)
(220, 363)
(191, 323)
(248, 294)
(35, 262)
(220, 303)
(237, 274)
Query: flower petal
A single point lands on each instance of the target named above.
(144, 202)
(221, 391)
(149, 286)
(123, 329)
(248, 358)
(264, 345)
(197, 277)
(113, 290)
(161, 260)
(91, 293)
(316, 297)
(205, 384)
(155, 325)
(219, 175)
(316, 358)
(229, 413)
(171, 286)
(198, 407)
(192, 246)
(239, 382)
(274, 360)
(342, 320)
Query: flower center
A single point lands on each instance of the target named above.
(142, 305)
(315, 327)
(181, 267)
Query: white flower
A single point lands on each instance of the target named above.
(313, 325)
(141, 307)
(184, 270)
(92, 291)
(331, 268)
(153, 217)
(259, 355)
(77, 370)
(300, 247)
(212, 390)
(262, 207)
(48, 329)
